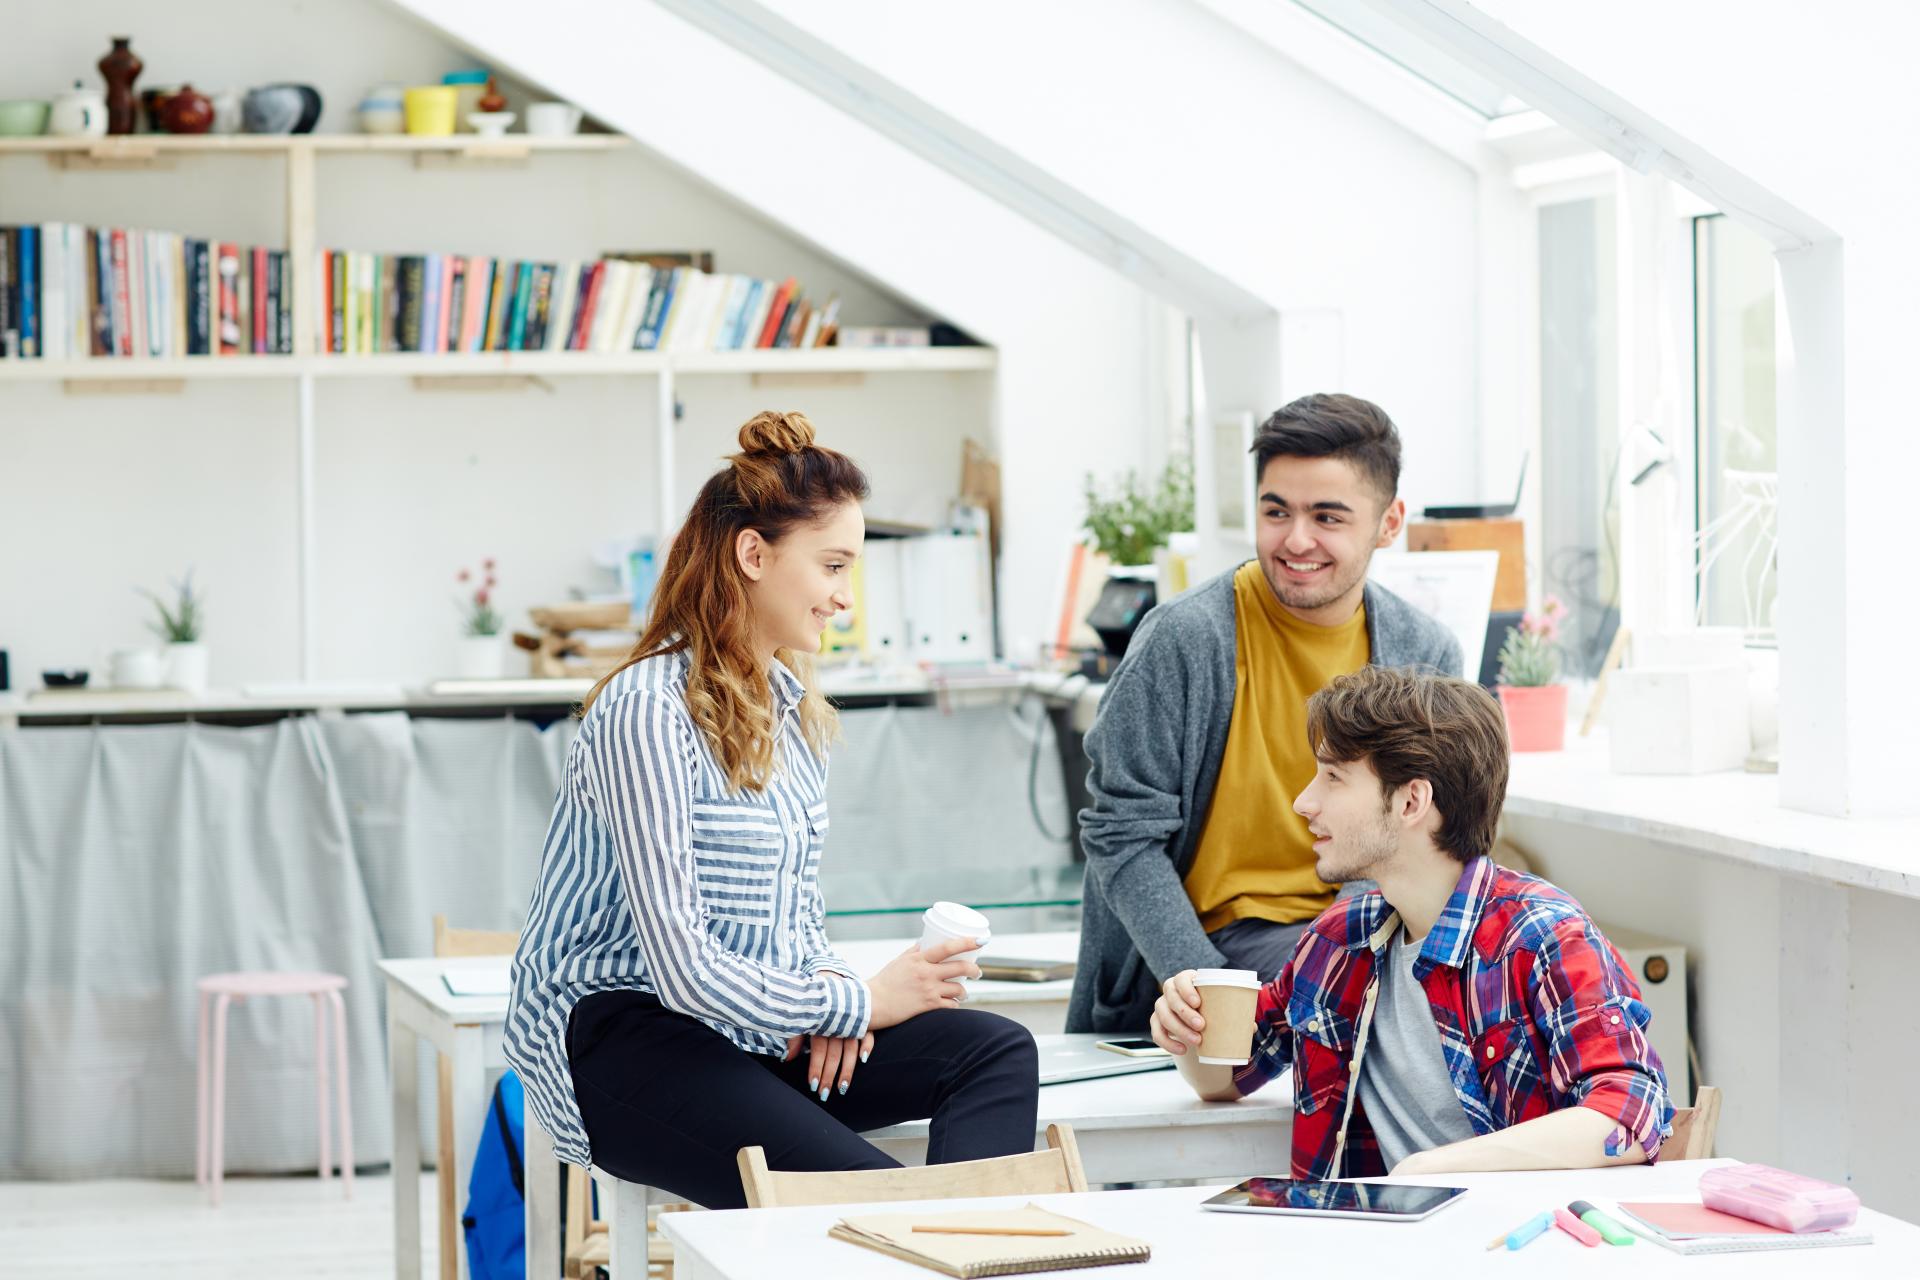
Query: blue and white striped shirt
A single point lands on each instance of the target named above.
(657, 878)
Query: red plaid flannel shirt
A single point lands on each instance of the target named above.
(1536, 1011)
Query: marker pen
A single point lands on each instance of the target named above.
(1610, 1231)
(1579, 1230)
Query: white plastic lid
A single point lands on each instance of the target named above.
(1226, 978)
(958, 920)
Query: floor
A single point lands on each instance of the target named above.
(282, 1228)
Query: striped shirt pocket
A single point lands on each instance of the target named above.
(738, 850)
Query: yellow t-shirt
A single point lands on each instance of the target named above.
(1256, 857)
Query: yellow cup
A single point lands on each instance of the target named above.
(430, 109)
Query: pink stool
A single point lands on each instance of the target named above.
(224, 989)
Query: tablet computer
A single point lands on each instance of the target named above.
(1382, 1201)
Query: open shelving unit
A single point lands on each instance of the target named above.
(301, 155)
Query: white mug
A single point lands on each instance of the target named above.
(136, 669)
(553, 119)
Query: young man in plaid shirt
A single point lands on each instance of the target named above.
(1461, 1017)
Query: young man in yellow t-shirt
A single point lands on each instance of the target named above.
(1195, 858)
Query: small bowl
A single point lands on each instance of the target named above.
(76, 679)
(491, 124)
(24, 117)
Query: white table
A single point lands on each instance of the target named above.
(1040, 1007)
(469, 1030)
(1146, 1127)
(1188, 1242)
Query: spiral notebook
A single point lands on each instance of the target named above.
(1691, 1227)
(992, 1255)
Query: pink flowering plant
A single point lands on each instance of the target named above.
(481, 618)
(1531, 655)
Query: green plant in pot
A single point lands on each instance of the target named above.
(1129, 520)
(180, 625)
(1535, 704)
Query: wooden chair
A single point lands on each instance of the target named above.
(1694, 1127)
(449, 943)
(1037, 1173)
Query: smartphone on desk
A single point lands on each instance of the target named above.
(1133, 1048)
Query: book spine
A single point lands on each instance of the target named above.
(458, 268)
(9, 293)
(122, 301)
(777, 314)
(29, 292)
(99, 291)
(337, 322)
(270, 312)
(657, 296)
(53, 292)
(413, 283)
(591, 285)
(443, 315)
(503, 274)
(196, 264)
(517, 322)
(541, 305)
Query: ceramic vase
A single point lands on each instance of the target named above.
(121, 66)
(482, 657)
(1536, 716)
(187, 667)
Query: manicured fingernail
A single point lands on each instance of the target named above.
(863, 1057)
(814, 1083)
(823, 1095)
(843, 1088)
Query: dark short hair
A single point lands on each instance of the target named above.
(1410, 724)
(1334, 426)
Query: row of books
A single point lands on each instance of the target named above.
(69, 291)
(439, 303)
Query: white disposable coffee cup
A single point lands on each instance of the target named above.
(946, 921)
(1227, 1000)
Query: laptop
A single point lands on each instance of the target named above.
(1067, 1058)
(1485, 510)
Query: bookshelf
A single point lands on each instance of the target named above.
(301, 160)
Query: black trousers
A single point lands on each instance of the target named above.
(669, 1102)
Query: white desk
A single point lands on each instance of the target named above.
(468, 1029)
(1188, 1242)
(1040, 1007)
(1146, 1128)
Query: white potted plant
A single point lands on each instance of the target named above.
(483, 652)
(180, 628)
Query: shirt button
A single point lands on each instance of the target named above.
(1615, 1019)
(1490, 1051)
(1313, 1024)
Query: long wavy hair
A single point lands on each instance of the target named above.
(779, 480)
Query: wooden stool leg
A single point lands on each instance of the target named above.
(443, 1176)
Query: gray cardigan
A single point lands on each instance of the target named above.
(1155, 751)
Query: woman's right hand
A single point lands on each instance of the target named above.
(915, 981)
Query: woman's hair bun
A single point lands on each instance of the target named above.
(777, 434)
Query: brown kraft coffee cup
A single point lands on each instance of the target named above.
(1227, 997)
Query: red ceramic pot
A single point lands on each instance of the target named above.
(186, 111)
(1536, 716)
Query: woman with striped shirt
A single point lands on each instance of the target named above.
(674, 995)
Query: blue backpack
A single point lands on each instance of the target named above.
(495, 1220)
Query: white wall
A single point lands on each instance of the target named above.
(1216, 143)
(103, 494)
(1072, 392)
(1810, 1084)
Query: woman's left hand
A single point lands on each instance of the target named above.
(830, 1060)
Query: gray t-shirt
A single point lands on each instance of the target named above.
(1403, 1077)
